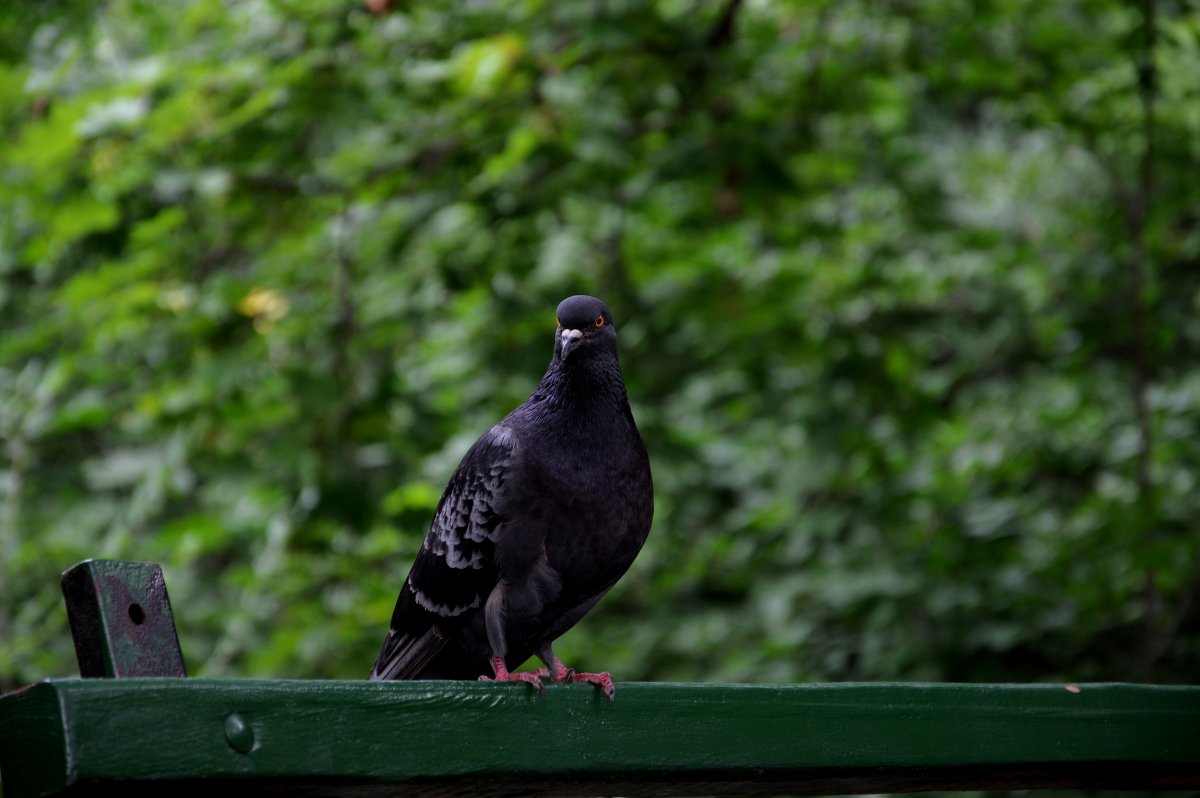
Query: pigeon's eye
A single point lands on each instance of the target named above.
(599, 321)
(558, 321)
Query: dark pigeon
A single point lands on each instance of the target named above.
(544, 514)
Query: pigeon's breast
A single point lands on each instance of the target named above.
(601, 514)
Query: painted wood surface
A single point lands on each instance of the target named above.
(187, 736)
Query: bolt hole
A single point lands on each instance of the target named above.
(137, 614)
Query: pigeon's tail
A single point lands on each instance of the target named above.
(405, 656)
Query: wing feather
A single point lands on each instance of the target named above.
(455, 570)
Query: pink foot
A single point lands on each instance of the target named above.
(503, 675)
(601, 680)
(558, 672)
(561, 673)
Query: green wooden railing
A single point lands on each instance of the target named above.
(227, 736)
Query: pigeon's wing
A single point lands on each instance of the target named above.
(455, 570)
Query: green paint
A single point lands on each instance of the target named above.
(121, 620)
(238, 734)
(350, 734)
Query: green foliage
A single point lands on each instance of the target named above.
(908, 310)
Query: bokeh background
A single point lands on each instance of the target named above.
(908, 299)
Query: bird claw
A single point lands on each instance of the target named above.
(533, 679)
(559, 673)
(602, 680)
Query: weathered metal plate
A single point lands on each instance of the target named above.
(121, 620)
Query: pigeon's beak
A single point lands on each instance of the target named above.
(570, 339)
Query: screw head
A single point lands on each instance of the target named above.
(238, 733)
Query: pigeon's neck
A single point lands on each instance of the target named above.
(588, 397)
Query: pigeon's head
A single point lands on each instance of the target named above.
(584, 325)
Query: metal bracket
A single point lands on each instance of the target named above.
(121, 620)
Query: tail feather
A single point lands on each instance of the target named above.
(405, 656)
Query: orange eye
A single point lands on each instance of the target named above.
(558, 321)
(599, 321)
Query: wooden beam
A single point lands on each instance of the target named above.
(417, 738)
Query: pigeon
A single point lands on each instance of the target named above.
(546, 511)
